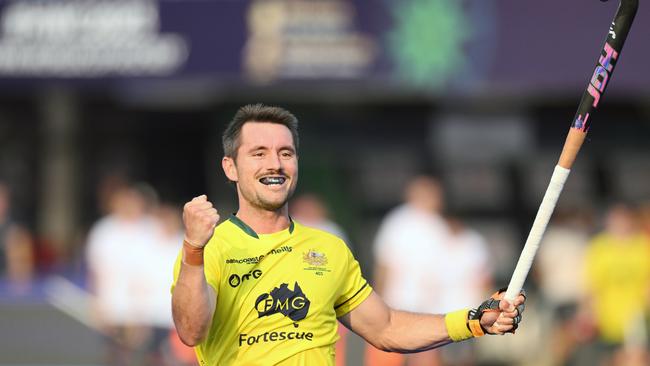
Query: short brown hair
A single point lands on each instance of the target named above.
(257, 113)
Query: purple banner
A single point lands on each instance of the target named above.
(438, 45)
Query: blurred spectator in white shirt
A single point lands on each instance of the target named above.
(407, 247)
(118, 251)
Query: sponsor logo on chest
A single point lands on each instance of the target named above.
(257, 259)
(235, 280)
(289, 303)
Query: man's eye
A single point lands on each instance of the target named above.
(287, 154)
(258, 154)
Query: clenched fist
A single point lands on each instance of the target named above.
(200, 218)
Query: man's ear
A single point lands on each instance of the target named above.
(228, 165)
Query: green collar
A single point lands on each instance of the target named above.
(248, 230)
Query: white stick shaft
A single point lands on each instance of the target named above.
(544, 213)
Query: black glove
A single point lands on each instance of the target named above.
(492, 305)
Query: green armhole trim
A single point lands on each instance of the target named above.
(351, 297)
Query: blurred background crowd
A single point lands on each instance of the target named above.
(429, 132)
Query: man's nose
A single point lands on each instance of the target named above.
(274, 162)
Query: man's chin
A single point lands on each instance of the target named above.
(272, 205)
(270, 201)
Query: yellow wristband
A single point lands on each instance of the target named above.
(456, 323)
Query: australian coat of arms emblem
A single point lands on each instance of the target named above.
(314, 258)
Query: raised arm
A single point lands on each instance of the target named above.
(193, 300)
(404, 332)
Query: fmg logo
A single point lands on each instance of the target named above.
(290, 303)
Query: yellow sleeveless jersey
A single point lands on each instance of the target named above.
(278, 295)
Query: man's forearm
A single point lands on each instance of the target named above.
(193, 304)
(413, 332)
(396, 331)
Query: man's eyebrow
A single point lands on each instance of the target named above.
(258, 147)
(262, 147)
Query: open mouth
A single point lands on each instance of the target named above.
(273, 180)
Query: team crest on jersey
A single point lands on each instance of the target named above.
(317, 262)
(314, 258)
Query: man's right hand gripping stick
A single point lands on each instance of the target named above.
(488, 318)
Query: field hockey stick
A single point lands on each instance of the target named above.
(595, 89)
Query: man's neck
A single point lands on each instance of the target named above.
(263, 221)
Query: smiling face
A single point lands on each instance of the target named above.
(265, 167)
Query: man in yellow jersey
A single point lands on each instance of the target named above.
(617, 268)
(261, 289)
